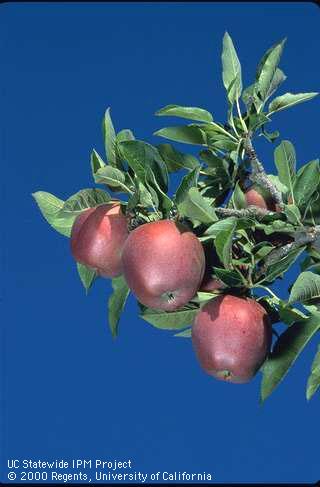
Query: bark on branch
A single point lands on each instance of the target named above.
(258, 174)
(301, 238)
(249, 212)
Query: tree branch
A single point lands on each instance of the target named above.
(301, 238)
(258, 174)
(249, 212)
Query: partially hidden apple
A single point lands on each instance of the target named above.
(163, 264)
(231, 337)
(97, 238)
(258, 196)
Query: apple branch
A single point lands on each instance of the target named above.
(302, 237)
(249, 212)
(258, 174)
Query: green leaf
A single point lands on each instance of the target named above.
(87, 275)
(309, 263)
(267, 68)
(164, 202)
(261, 250)
(306, 183)
(223, 245)
(278, 78)
(306, 287)
(221, 142)
(190, 180)
(285, 160)
(286, 351)
(289, 100)
(116, 303)
(188, 134)
(96, 162)
(277, 226)
(124, 135)
(278, 268)
(109, 137)
(293, 214)
(256, 120)
(83, 199)
(141, 155)
(312, 212)
(220, 225)
(218, 171)
(196, 206)
(215, 130)
(227, 223)
(289, 315)
(203, 297)
(250, 96)
(50, 207)
(113, 177)
(173, 320)
(276, 181)
(237, 200)
(270, 136)
(191, 113)
(176, 160)
(142, 195)
(314, 379)
(184, 334)
(212, 160)
(231, 278)
(231, 69)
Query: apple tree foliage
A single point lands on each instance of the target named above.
(253, 247)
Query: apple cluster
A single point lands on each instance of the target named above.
(164, 265)
(197, 257)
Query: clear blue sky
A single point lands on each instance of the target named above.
(71, 391)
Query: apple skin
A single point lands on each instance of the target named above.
(163, 264)
(258, 196)
(97, 238)
(231, 337)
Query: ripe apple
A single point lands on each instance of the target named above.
(97, 238)
(163, 264)
(258, 196)
(231, 337)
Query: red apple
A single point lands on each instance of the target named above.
(97, 238)
(231, 337)
(163, 264)
(258, 196)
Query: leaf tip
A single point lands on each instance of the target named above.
(114, 335)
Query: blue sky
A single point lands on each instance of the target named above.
(70, 391)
